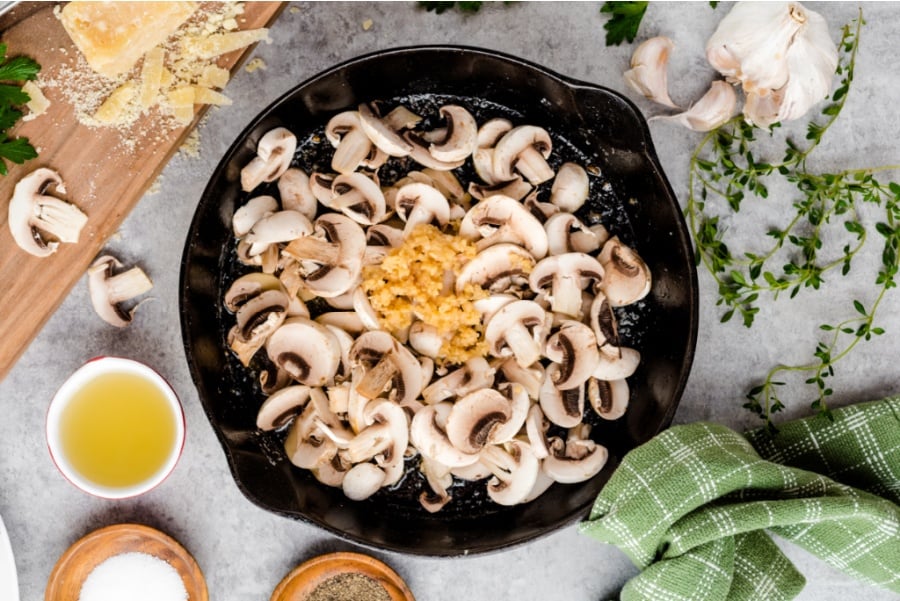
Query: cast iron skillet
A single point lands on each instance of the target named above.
(591, 124)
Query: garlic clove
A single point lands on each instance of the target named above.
(715, 108)
(762, 111)
(751, 43)
(648, 75)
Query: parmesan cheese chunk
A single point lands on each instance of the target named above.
(113, 36)
(213, 76)
(151, 77)
(113, 108)
(38, 103)
(211, 46)
(206, 96)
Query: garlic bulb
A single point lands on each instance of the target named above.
(780, 53)
(647, 75)
(715, 108)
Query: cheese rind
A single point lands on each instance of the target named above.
(113, 36)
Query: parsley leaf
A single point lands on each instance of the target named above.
(16, 69)
(624, 22)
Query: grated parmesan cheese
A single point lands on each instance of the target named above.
(410, 283)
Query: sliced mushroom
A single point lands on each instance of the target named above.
(348, 321)
(390, 415)
(575, 461)
(515, 470)
(296, 193)
(564, 408)
(497, 269)
(542, 210)
(474, 375)
(255, 320)
(517, 329)
(362, 481)
(282, 226)
(246, 216)
(305, 445)
(516, 188)
(461, 137)
(427, 434)
(389, 367)
(531, 378)
(359, 198)
(626, 277)
(426, 339)
(439, 480)
(320, 184)
(570, 187)
(308, 351)
(498, 219)
(489, 134)
(608, 398)
(574, 348)
(281, 407)
(524, 148)
(381, 133)
(351, 144)
(536, 427)
(616, 363)
(332, 258)
(566, 233)
(419, 203)
(332, 472)
(39, 222)
(420, 154)
(447, 184)
(561, 278)
(475, 419)
(108, 290)
(603, 321)
(274, 154)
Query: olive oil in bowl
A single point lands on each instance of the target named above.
(115, 428)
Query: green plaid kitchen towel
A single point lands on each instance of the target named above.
(691, 506)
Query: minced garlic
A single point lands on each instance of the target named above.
(413, 282)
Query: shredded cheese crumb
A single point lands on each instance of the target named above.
(367, 24)
(412, 283)
(37, 104)
(255, 64)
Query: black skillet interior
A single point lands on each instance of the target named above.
(630, 194)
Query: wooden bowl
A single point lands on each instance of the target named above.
(304, 579)
(83, 556)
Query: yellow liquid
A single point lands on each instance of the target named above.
(118, 430)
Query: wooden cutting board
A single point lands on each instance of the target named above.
(104, 177)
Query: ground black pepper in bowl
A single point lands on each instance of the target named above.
(349, 587)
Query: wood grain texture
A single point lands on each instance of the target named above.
(79, 560)
(106, 172)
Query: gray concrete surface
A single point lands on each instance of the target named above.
(243, 550)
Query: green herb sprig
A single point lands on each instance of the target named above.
(12, 71)
(726, 172)
(441, 7)
(624, 21)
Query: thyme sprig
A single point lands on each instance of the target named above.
(726, 171)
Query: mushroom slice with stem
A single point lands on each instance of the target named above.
(439, 480)
(566, 233)
(475, 374)
(608, 398)
(517, 329)
(388, 367)
(603, 321)
(576, 460)
(536, 427)
(570, 187)
(564, 408)
(281, 407)
(498, 219)
(626, 276)
(332, 257)
(516, 188)
(573, 347)
(561, 278)
(489, 134)
(392, 416)
(359, 198)
(308, 351)
(33, 214)
(351, 144)
(475, 417)
(530, 377)
(447, 184)
(497, 269)
(108, 290)
(320, 184)
(461, 137)
(541, 210)
(332, 472)
(524, 148)
(296, 193)
(274, 153)
(255, 320)
(305, 445)
(515, 470)
(362, 481)
(419, 203)
(420, 154)
(428, 436)
(381, 133)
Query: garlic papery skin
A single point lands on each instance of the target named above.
(648, 75)
(750, 44)
(780, 52)
(715, 108)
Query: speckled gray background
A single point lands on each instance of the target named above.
(245, 551)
